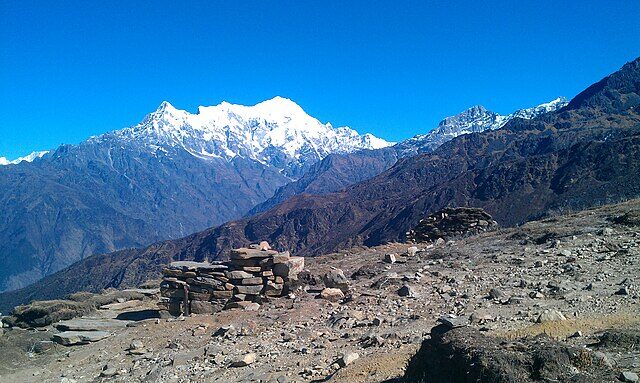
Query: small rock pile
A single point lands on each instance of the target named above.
(251, 275)
(450, 223)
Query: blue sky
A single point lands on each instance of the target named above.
(71, 69)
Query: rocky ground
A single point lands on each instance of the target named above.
(573, 277)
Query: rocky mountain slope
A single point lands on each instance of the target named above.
(337, 171)
(173, 174)
(582, 155)
(551, 300)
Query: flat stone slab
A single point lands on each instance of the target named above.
(121, 305)
(454, 322)
(147, 292)
(88, 324)
(200, 266)
(246, 253)
(71, 338)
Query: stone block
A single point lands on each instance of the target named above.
(246, 253)
(226, 294)
(200, 307)
(290, 268)
(239, 274)
(253, 290)
(252, 281)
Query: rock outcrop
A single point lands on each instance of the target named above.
(464, 355)
(451, 223)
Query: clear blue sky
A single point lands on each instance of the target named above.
(71, 69)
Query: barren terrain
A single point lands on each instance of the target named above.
(584, 265)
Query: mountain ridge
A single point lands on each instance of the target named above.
(338, 171)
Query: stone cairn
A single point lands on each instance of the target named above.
(251, 275)
(451, 223)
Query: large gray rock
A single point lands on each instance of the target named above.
(551, 316)
(244, 360)
(348, 358)
(332, 294)
(288, 267)
(336, 279)
(628, 376)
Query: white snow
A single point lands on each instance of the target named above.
(273, 131)
(28, 158)
(473, 120)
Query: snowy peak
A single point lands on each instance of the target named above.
(276, 132)
(547, 107)
(28, 158)
(473, 120)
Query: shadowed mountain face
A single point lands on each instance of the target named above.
(99, 198)
(583, 155)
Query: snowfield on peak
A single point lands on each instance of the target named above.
(473, 120)
(28, 158)
(275, 132)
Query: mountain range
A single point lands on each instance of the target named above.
(170, 175)
(581, 155)
(177, 172)
(338, 171)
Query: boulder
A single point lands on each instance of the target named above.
(628, 376)
(273, 289)
(454, 322)
(202, 307)
(108, 371)
(332, 294)
(244, 360)
(348, 358)
(336, 279)
(407, 291)
(551, 316)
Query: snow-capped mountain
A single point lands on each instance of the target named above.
(172, 174)
(28, 158)
(529, 113)
(473, 120)
(275, 132)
